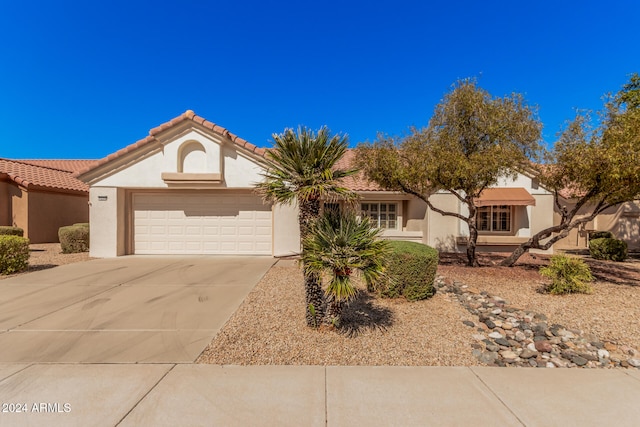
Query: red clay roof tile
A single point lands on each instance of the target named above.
(33, 176)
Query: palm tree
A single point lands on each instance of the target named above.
(301, 168)
(341, 244)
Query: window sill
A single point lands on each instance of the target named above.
(191, 178)
(486, 240)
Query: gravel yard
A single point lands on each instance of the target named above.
(269, 327)
(49, 255)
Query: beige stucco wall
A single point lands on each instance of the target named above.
(286, 231)
(50, 211)
(622, 220)
(109, 234)
(19, 208)
(107, 222)
(5, 204)
(239, 171)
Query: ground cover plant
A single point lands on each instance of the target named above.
(568, 275)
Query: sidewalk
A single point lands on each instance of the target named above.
(207, 395)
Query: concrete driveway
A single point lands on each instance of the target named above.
(123, 310)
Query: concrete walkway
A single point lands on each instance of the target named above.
(208, 395)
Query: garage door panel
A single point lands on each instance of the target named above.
(201, 224)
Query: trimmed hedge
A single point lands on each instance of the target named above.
(608, 249)
(411, 270)
(568, 275)
(601, 235)
(74, 238)
(14, 254)
(11, 231)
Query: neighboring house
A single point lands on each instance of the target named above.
(40, 196)
(188, 188)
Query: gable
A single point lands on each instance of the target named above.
(187, 152)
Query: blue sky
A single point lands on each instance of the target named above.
(82, 79)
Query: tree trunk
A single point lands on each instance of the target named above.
(334, 311)
(309, 210)
(472, 260)
(515, 255)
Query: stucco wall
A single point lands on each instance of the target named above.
(19, 208)
(5, 204)
(237, 169)
(622, 220)
(107, 222)
(50, 211)
(286, 231)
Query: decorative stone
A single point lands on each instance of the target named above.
(543, 346)
(603, 354)
(469, 323)
(496, 335)
(503, 342)
(490, 324)
(488, 357)
(578, 360)
(610, 346)
(527, 354)
(559, 363)
(507, 326)
(634, 362)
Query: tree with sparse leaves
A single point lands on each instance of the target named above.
(301, 169)
(472, 140)
(600, 167)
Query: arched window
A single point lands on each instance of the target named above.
(193, 158)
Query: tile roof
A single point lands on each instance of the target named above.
(187, 115)
(37, 177)
(67, 165)
(357, 182)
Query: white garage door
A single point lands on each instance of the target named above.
(201, 224)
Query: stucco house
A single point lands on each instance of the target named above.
(187, 188)
(40, 196)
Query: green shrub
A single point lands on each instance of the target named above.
(601, 235)
(11, 231)
(411, 270)
(14, 254)
(568, 275)
(74, 238)
(608, 249)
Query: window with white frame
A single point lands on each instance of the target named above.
(383, 215)
(494, 218)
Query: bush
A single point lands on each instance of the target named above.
(601, 235)
(411, 270)
(568, 275)
(14, 254)
(74, 238)
(11, 231)
(608, 249)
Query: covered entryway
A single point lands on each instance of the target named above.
(201, 222)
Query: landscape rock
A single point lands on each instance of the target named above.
(518, 337)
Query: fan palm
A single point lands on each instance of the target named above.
(301, 169)
(341, 244)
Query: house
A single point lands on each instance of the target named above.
(188, 188)
(40, 196)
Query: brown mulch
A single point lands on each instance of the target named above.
(269, 327)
